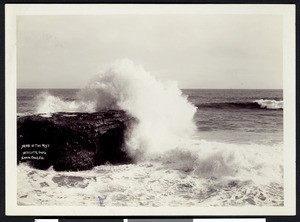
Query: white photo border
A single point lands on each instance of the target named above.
(289, 69)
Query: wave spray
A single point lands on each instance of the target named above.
(164, 115)
(165, 129)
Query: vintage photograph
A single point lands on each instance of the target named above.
(151, 110)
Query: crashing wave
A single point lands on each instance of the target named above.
(163, 113)
(270, 104)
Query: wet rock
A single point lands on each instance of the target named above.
(70, 181)
(73, 142)
(44, 184)
(250, 201)
(24, 196)
(262, 197)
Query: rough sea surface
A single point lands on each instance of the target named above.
(235, 157)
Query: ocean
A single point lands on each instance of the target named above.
(223, 115)
(232, 157)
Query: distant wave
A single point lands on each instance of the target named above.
(256, 104)
(270, 104)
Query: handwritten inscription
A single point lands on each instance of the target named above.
(34, 152)
(35, 146)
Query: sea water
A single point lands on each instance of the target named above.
(223, 115)
(201, 147)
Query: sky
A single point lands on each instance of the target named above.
(196, 51)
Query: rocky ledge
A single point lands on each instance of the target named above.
(73, 141)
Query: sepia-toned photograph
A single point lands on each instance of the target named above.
(158, 109)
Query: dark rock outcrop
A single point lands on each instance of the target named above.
(73, 141)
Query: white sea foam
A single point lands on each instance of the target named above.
(210, 174)
(48, 104)
(163, 137)
(270, 104)
(163, 113)
(262, 164)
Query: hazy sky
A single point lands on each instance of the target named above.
(197, 51)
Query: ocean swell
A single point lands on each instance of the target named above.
(256, 104)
